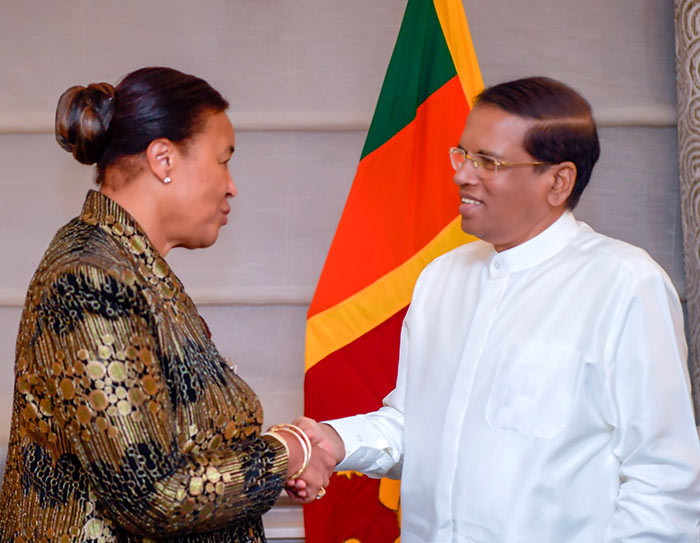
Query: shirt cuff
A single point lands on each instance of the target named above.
(360, 435)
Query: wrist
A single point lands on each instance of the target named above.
(297, 445)
(338, 445)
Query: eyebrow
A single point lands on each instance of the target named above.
(228, 151)
(490, 154)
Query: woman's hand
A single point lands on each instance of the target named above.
(312, 482)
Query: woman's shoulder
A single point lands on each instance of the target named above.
(79, 245)
(84, 271)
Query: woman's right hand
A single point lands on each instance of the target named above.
(325, 440)
(312, 482)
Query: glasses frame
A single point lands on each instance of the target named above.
(479, 165)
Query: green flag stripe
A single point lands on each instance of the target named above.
(420, 64)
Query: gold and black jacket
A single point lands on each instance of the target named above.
(127, 423)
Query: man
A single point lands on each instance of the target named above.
(542, 392)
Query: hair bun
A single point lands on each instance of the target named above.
(83, 115)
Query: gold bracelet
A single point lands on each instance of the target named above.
(303, 441)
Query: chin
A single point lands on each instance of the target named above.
(210, 240)
(201, 238)
(469, 228)
(201, 243)
(204, 243)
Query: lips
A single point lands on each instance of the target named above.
(469, 205)
(468, 200)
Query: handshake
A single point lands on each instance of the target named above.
(314, 450)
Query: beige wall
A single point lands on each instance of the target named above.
(303, 77)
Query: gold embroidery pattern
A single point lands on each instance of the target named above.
(127, 423)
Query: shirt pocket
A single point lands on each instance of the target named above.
(533, 390)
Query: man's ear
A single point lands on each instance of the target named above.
(563, 179)
(160, 154)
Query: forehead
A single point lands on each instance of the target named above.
(217, 131)
(490, 128)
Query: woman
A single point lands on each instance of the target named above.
(127, 424)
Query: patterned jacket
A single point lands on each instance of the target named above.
(127, 424)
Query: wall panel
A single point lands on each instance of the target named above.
(303, 77)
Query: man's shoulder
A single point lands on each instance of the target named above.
(614, 255)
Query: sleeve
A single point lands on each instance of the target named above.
(654, 435)
(374, 442)
(101, 381)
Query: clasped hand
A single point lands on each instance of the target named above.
(327, 451)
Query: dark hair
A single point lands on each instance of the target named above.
(102, 124)
(564, 129)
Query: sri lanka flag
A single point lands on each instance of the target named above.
(401, 213)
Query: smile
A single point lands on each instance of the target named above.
(466, 200)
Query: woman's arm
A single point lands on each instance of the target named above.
(100, 386)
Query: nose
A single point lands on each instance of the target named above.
(232, 190)
(466, 174)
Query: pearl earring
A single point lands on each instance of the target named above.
(166, 180)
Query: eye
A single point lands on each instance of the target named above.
(487, 162)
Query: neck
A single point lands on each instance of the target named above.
(138, 198)
(545, 222)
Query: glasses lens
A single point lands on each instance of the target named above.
(487, 165)
(457, 157)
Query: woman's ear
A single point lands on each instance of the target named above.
(563, 181)
(160, 154)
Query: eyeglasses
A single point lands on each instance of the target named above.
(486, 167)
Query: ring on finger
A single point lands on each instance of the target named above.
(321, 493)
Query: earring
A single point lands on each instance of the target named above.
(166, 180)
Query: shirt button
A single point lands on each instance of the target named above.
(497, 265)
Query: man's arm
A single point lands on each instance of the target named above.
(372, 443)
(654, 435)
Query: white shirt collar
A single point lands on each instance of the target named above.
(535, 250)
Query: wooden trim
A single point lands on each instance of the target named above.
(209, 296)
(284, 523)
(260, 297)
(650, 115)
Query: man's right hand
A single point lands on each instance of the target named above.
(323, 436)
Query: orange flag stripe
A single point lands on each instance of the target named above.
(343, 323)
(394, 187)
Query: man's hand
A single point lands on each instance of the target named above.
(324, 436)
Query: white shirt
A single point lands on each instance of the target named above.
(542, 397)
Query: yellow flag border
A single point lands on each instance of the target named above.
(341, 324)
(454, 25)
